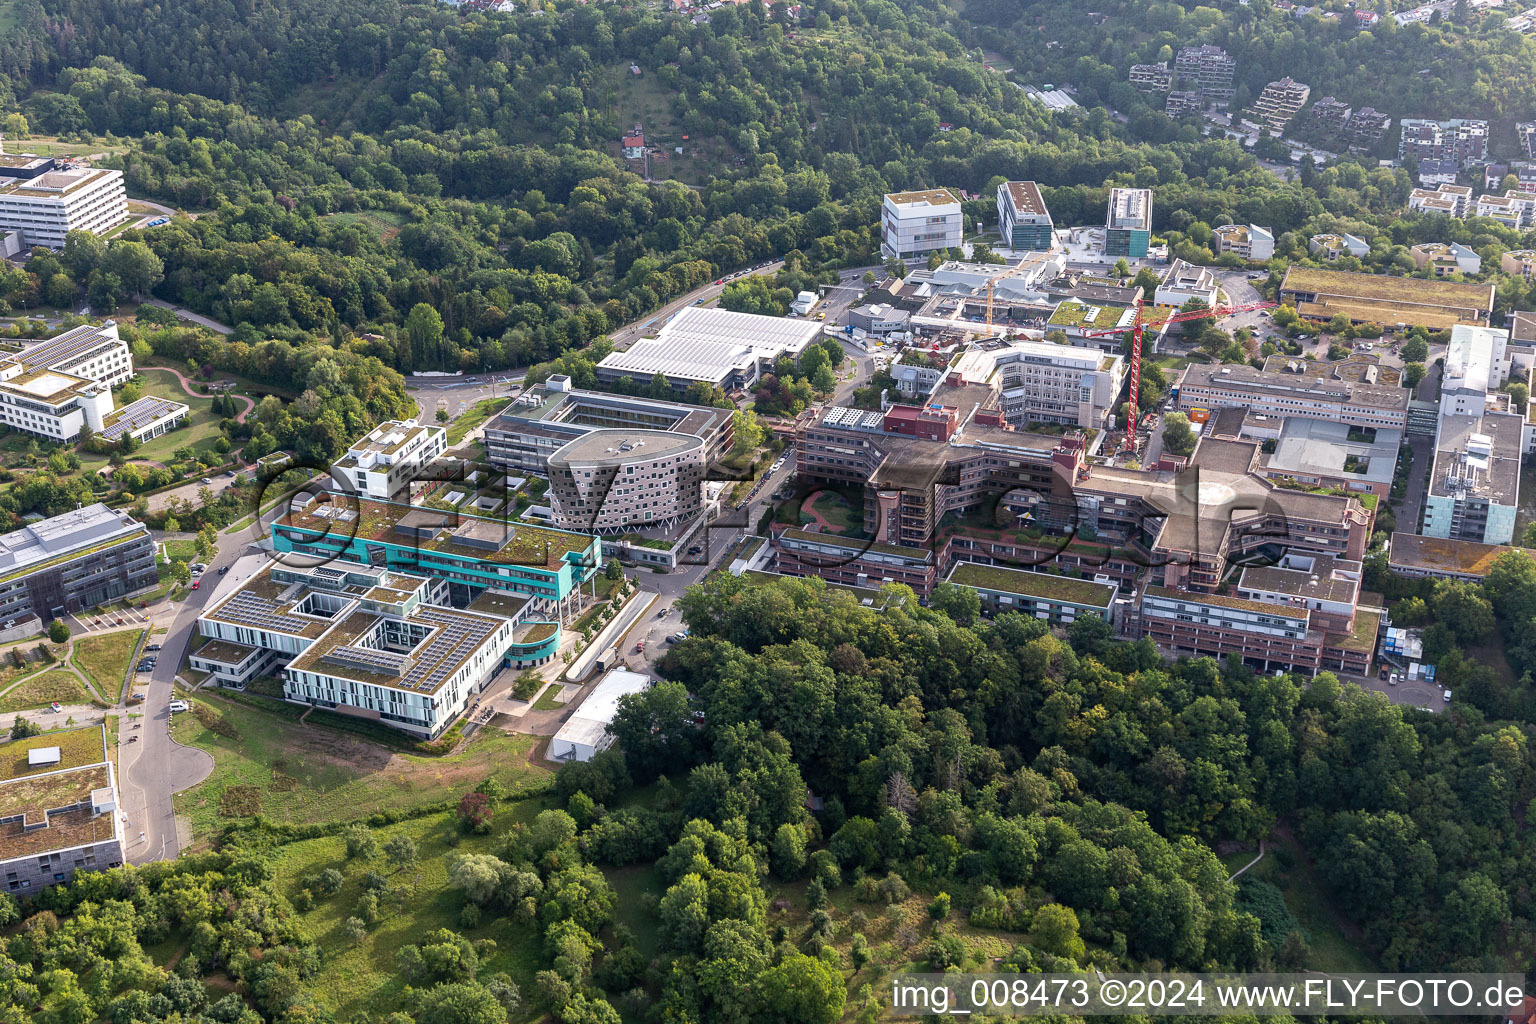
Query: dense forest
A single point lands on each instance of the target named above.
(385, 187)
(448, 186)
(1063, 795)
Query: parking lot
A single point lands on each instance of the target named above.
(1419, 693)
(99, 619)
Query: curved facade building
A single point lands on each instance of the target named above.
(617, 481)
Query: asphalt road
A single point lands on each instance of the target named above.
(156, 767)
(458, 395)
(650, 323)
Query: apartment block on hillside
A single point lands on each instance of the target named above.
(1208, 67)
(1152, 78)
(1464, 140)
(1280, 102)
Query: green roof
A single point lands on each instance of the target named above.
(1367, 623)
(1039, 585)
(1073, 313)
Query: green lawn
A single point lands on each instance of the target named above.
(546, 701)
(181, 549)
(846, 520)
(41, 690)
(105, 658)
(363, 979)
(202, 427)
(307, 773)
(473, 417)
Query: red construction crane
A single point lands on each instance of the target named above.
(1133, 416)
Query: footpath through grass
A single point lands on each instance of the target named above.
(105, 658)
(290, 773)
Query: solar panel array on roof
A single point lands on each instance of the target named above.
(140, 414)
(389, 663)
(247, 609)
(64, 348)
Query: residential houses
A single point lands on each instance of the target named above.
(1331, 246)
(1513, 209)
(1208, 68)
(1521, 262)
(1152, 78)
(1280, 102)
(1462, 140)
(1446, 258)
(1450, 200)
(1331, 114)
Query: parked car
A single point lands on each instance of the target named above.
(152, 647)
(1446, 696)
(179, 705)
(206, 480)
(223, 569)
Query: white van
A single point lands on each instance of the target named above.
(179, 705)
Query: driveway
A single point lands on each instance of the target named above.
(196, 318)
(1423, 449)
(156, 767)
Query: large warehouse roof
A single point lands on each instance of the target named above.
(710, 344)
(588, 726)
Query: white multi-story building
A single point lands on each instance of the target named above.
(58, 387)
(1248, 242)
(45, 202)
(917, 223)
(1476, 362)
(369, 642)
(1513, 209)
(389, 458)
(1185, 281)
(1039, 382)
(1451, 200)
(1206, 386)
